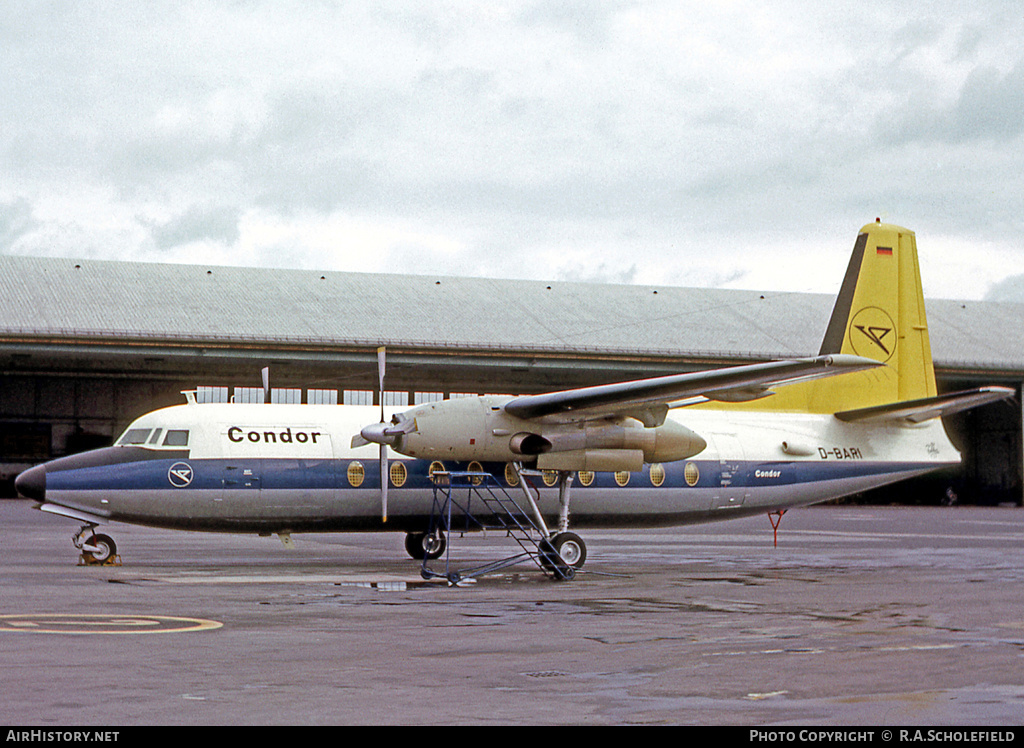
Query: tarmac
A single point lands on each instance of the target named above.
(859, 616)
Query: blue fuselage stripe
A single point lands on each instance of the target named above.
(326, 474)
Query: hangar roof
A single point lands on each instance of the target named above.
(56, 300)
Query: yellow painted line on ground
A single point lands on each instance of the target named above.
(100, 623)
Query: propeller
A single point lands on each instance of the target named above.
(385, 434)
(381, 354)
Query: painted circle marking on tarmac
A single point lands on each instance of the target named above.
(99, 623)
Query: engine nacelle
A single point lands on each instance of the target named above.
(595, 460)
(472, 428)
(479, 429)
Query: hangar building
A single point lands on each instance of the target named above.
(86, 346)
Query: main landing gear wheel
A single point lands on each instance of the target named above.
(425, 545)
(563, 555)
(552, 562)
(571, 548)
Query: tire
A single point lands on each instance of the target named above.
(422, 545)
(434, 545)
(551, 561)
(571, 548)
(107, 549)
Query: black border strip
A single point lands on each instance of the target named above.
(833, 340)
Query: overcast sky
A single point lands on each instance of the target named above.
(725, 144)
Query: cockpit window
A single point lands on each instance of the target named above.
(135, 436)
(176, 438)
(155, 439)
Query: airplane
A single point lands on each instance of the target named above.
(671, 450)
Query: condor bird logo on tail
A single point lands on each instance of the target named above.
(872, 334)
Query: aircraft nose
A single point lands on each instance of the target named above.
(32, 483)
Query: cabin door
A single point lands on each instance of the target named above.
(241, 481)
(731, 489)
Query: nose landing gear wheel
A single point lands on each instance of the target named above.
(99, 550)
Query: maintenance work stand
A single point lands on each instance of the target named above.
(474, 502)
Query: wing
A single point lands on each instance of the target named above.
(649, 399)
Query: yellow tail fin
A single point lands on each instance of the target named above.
(878, 314)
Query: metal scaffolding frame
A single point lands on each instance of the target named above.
(467, 502)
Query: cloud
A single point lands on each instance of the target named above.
(199, 223)
(637, 140)
(15, 221)
(1010, 289)
(600, 273)
(986, 108)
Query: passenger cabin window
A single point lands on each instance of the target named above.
(176, 438)
(135, 436)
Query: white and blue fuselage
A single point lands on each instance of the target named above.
(291, 468)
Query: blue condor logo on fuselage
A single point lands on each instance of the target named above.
(180, 474)
(283, 436)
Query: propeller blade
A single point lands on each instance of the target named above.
(381, 357)
(380, 378)
(266, 384)
(384, 482)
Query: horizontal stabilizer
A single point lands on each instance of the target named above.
(916, 411)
